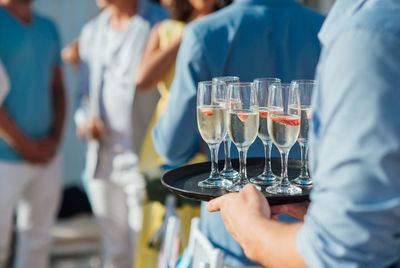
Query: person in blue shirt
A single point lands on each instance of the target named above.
(354, 216)
(249, 39)
(31, 124)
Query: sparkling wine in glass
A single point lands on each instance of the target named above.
(305, 88)
(211, 121)
(242, 125)
(228, 172)
(262, 85)
(284, 128)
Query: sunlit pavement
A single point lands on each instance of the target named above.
(76, 243)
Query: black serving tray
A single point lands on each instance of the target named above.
(183, 181)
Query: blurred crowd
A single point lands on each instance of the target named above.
(139, 64)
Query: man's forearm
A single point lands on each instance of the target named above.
(59, 104)
(272, 243)
(156, 66)
(247, 216)
(9, 131)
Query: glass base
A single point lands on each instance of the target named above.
(211, 183)
(238, 186)
(302, 181)
(226, 183)
(229, 174)
(264, 179)
(285, 190)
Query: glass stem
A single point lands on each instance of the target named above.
(214, 160)
(267, 150)
(242, 161)
(284, 174)
(304, 156)
(227, 148)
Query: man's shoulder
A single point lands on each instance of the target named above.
(46, 25)
(43, 20)
(157, 9)
(215, 23)
(98, 21)
(310, 14)
(154, 13)
(234, 14)
(216, 19)
(378, 16)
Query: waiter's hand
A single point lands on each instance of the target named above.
(238, 210)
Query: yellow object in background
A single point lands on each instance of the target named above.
(153, 213)
(168, 32)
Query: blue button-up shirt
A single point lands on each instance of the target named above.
(250, 39)
(354, 217)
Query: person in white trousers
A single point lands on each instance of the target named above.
(113, 118)
(32, 116)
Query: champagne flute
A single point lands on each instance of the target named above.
(242, 125)
(283, 128)
(211, 121)
(305, 88)
(228, 172)
(262, 85)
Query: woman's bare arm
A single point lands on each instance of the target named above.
(155, 62)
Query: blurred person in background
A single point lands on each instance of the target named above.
(354, 216)
(4, 83)
(249, 39)
(70, 53)
(114, 119)
(157, 66)
(31, 125)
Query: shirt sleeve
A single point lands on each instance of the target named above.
(175, 136)
(353, 220)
